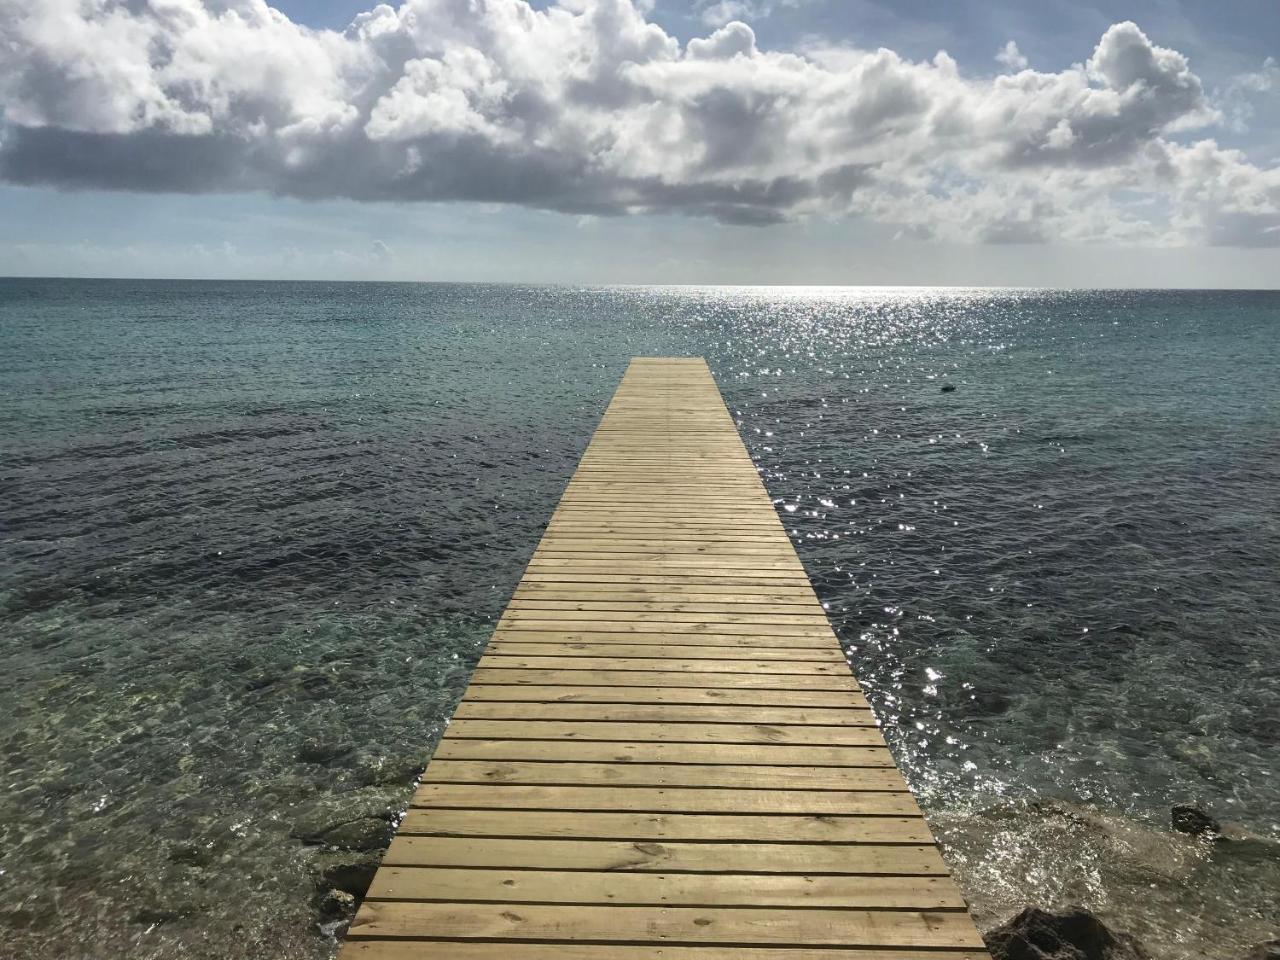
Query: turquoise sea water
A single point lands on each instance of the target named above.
(243, 519)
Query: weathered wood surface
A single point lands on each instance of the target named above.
(663, 754)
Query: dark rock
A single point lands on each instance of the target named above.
(316, 684)
(366, 833)
(192, 854)
(351, 874)
(337, 903)
(18, 918)
(345, 819)
(1191, 819)
(1265, 951)
(323, 751)
(375, 769)
(260, 680)
(948, 388)
(990, 701)
(1076, 934)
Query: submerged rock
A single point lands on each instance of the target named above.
(191, 854)
(1075, 934)
(986, 702)
(323, 751)
(1265, 951)
(337, 903)
(366, 833)
(356, 820)
(351, 873)
(1194, 821)
(377, 769)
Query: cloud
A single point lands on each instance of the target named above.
(586, 107)
(1011, 58)
(725, 11)
(718, 13)
(1235, 100)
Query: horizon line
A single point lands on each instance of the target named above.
(632, 283)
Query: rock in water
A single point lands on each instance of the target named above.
(1076, 934)
(337, 903)
(351, 873)
(366, 833)
(322, 751)
(1265, 951)
(948, 388)
(1190, 819)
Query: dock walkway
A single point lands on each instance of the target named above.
(663, 754)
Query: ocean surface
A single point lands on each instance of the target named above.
(253, 537)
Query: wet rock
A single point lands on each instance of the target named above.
(337, 903)
(367, 833)
(1265, 951)
(350, 873)
(17, 918)
(192, 854)
(989, 702)
(1075, 934)
(323, 751)
(355, 820)
(260, 680)
(1191, 819)
(315, 684)
(372, 769)
(948, 388)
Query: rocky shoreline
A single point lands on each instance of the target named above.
(1076, 933)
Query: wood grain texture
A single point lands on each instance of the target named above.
(663, 754)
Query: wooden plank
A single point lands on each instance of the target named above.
(536, 633)
(666, 799)
(672, 579)
(744, 733)
(666, 856)
(650, 826)
(663, 754)
(610, 924)
(572, 751)
(720, 696)
(531, 614)
(587, 887)
(775, 667)
(664, 679)
(586, 621)
(517, 647)
(725, 605)
(426, 949)
(667, 713)
(738, 776)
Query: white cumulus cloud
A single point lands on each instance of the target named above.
(590, 108)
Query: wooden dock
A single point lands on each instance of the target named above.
(663, 754)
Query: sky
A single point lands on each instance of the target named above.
(984, 142)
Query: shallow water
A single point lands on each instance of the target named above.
(255, 536)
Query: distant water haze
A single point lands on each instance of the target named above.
(255, 535)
